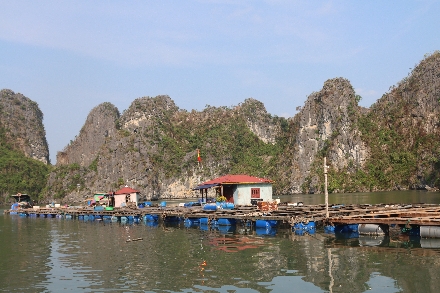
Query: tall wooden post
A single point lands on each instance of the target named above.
(325, 187)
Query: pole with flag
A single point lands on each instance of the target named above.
(199, 159)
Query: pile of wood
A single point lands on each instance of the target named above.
(267, 206)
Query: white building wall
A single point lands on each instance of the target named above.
(134, 197)
(120, 199)
(242, 194)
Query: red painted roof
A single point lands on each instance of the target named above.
(126, 190)
(236, 179)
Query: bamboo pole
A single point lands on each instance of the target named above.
(325, 187)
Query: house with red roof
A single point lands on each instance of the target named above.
(126, 196)
(239, 189)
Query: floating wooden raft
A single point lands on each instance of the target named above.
(423, 215)
(415, 214)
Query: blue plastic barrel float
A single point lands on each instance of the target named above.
(225, 205)
(347, 228)
(124, 219)
(347, 231)
(81, 217)
(266, 223)
(210, 207)
(68, 216)
(204, 221)
(207, 221)
(307, 226)
(191, 221)
(114, 219)
(23, 215)
(226, 222)
(151, 218)
(91, 217)
(107, 218)
(329, 229)
(163, 204)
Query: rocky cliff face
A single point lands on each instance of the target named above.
(259, 121)
(393, 145)
(23, 121)
(407, 123)
(325, 126)
(153, 147)
(101, 124)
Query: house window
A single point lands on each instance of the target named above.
(255, 192)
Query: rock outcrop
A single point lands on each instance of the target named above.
(325, 126)
(101, 124)
(23, 121)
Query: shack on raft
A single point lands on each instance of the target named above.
(239, 189)
(126, 196)
(21, 201)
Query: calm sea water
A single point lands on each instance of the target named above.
(58, 255)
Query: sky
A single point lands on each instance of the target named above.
(70, 56)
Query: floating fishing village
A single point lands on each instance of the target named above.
(244, 200)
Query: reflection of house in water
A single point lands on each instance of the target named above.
(126, 197)
(239, 189)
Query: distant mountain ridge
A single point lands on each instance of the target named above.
(152, 146)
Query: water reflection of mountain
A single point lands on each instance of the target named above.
(94, 256)
(24, 249)
(344, 266)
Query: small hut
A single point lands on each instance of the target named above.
(126, 196)
(239, 189)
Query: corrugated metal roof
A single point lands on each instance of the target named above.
(236, 179)
(126, 190)
(205, 186)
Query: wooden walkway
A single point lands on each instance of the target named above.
(422, 215)
(383, 214)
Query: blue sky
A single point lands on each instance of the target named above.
(70, 56)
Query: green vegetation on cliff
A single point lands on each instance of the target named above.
(20, 174)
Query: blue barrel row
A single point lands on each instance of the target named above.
(263, 227)
(354, 230)
(227, 225)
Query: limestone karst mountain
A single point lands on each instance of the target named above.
(24, 153)
(392, 145)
